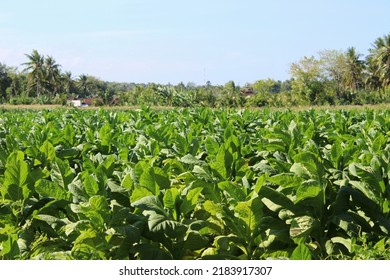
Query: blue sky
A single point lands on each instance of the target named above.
(175, 41)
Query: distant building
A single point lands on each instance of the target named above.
(86, 102)
(74, 102)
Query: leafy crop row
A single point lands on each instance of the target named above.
(194, 184)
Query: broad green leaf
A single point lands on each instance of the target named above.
(105, 135)
(170, 199)
(48, 150)
(378, 143)
(191, 160)
(301, 252)
(107, 166)
(195, 241)
(61, 173)
(232, 190)
(127, 182)
(286, 180)
(202, 173)
(310, 189)
(10, 248)
(50, 189)
(69, 134)
(370, 176)
(300, 170)
(190, 200)
(223, 163)
(275, 200)
(150, 203)
(161, 224)
(139, 192)
(346, 242)
(161, 178)
(150, 252)
(302, 226)
(336, 152)
(213, 208)
(148, 180)
(310, 163)
(15, 177)
(90, 185)
(212, 146)
(250, 212)
(99, 203)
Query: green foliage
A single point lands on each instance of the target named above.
(194, 184)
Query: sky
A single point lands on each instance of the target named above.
(174, 41)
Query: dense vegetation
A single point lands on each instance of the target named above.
(334, 77)
(194, 184)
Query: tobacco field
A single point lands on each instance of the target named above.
(194, 184)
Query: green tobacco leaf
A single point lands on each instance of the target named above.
(310, 189)
(161, 224)
(378, 143)
(232, 190)
(48, 150)
(107, 167)
(61, 173)
(302, 226)
(250, 212)
(51, 189)
(139, 192)
(336, 151)
(105, 135)
(301, 252)
(15, 177)
(370, 176)
(150, 252)
(10, 248)
(153, 179)
(161, 178)
(213, 208)
(190, 200)
(275, 200)
(300, 170)
(170, 198)
(223, 163)
(90, 185)
(150, 203)
(127, 182)
(308, 163)
(202, 173)
(69, 134)
(347, 243)
(212, 146)
(286, 180)
(191, 160)
(195, 241)
(99, 202)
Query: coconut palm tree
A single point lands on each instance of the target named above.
(67, 82)
(83, 85)
(52, 75)
(353, 78)
(36, 71)
(380, 59)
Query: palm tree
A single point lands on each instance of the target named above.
(67, 82)
(35, 67)
(52, 73)
(83, 84)
(380, 60)
(353, 77)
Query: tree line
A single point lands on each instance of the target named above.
(332, 77)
